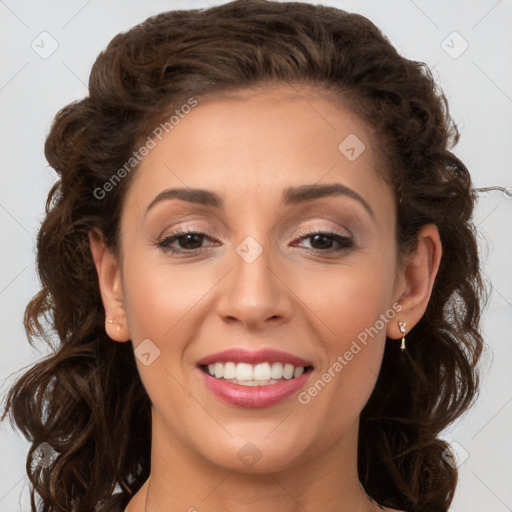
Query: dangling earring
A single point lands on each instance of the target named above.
(401, 326)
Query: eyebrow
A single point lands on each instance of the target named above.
(290, 196)
(295, 195)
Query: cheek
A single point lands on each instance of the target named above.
(159, 299)
(350, 309)
(348, 300)
(162, 306)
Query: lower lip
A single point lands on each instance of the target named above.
(253, 396)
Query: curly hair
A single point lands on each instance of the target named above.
(86, 399)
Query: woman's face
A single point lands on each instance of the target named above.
(256, 178)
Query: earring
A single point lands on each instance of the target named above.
(401, 326)
(110, 321)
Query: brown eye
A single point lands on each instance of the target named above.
(321, 242)
(190, 241)
(327, 242)
(184, 242)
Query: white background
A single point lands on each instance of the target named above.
(479, 88)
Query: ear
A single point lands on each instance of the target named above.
(109, 276)
(418, 277)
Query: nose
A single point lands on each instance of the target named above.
(254, 294)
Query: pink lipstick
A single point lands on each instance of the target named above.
(254, 378)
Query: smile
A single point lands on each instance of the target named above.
(259, 378)
(261, 374)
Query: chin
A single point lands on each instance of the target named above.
(257, 456)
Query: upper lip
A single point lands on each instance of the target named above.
(243, 355)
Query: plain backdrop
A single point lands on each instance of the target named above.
(47, 49)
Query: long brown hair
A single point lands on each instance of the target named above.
(86, 399)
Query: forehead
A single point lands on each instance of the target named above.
(258, 142)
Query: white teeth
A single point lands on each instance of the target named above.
(262, 371)
(288, 371)
(244, 371)
(254, 375)
(229, 371)
(277, 371)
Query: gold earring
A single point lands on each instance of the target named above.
(402, 326)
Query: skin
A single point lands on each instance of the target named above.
(293, 297)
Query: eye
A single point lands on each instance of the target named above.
(188, 241)
(326, 241)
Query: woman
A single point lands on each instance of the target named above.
(260, 264)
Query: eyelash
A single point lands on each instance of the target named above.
(345, 242)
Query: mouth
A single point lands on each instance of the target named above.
(254, 378)
(262, 374)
